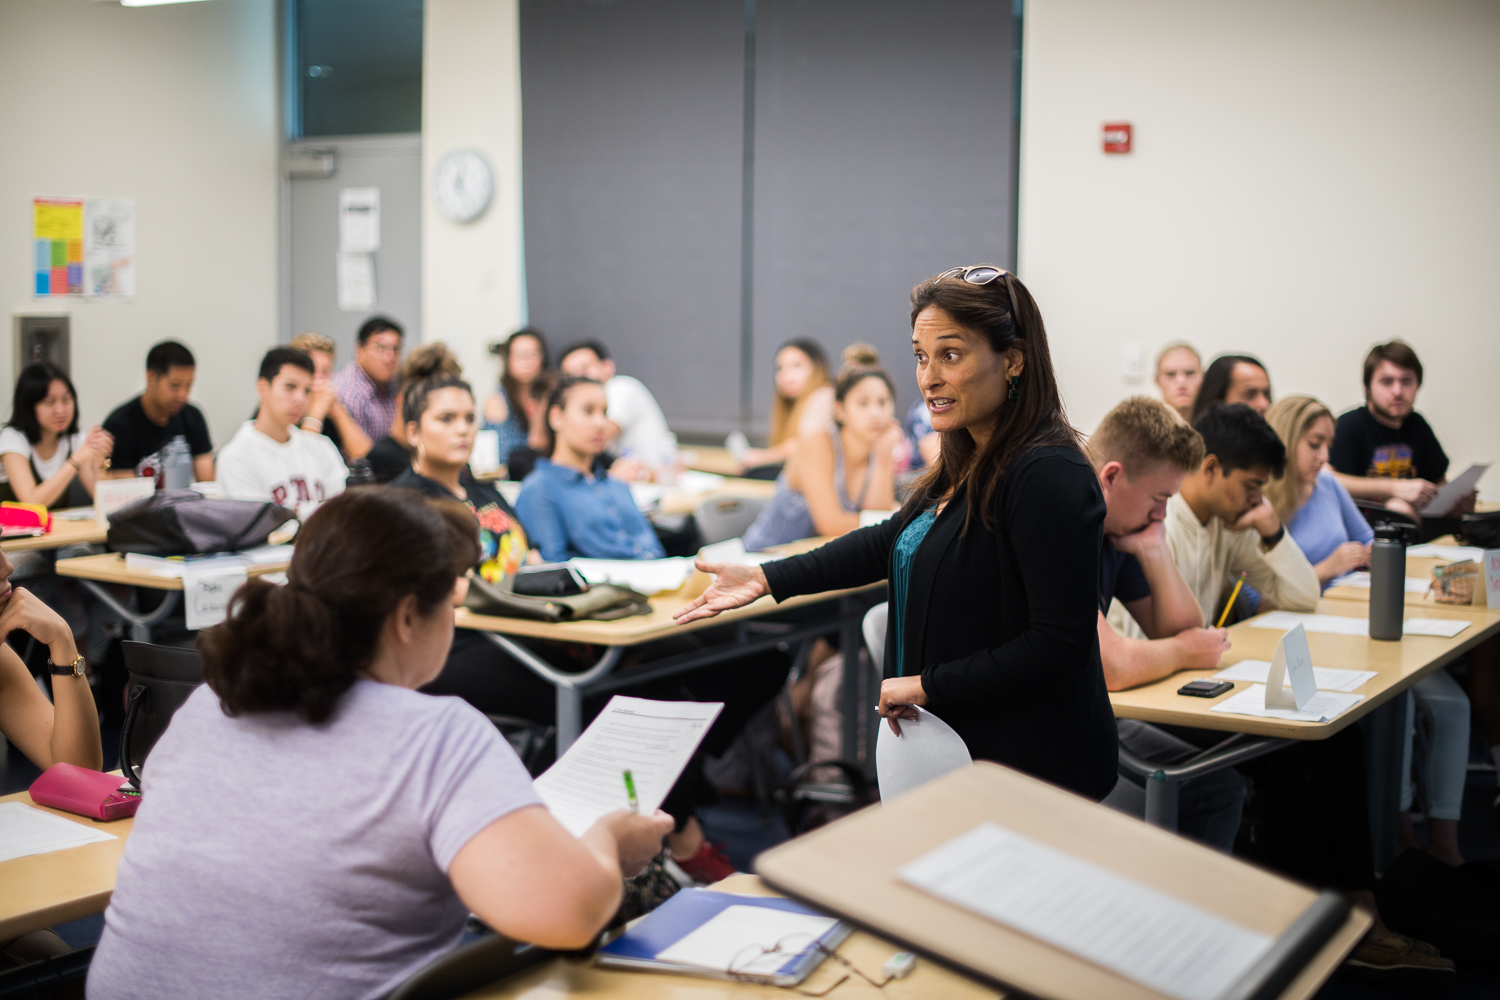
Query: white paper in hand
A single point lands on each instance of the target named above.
(1293, 661)
(927, 748)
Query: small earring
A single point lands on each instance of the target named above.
(1015, 387)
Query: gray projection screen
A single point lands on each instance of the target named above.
(883, 150)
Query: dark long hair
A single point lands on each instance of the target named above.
(32, 386)
(299, 647)
(559, 397)
(1216, 379)
(514, 397)
(1006, 315)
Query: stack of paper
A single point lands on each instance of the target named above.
(1455, 490)
(26, 830)
(1327, 678)
(1452, 553)
(1361, 579)
(927, 748)
(731, 552)
(1145, 935)
(1325, 706)
(649, 576)
(1284, 621)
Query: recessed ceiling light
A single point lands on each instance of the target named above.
(152, 3)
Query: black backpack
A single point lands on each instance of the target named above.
(185, 522)
(159, 680)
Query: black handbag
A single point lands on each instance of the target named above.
(185, 522)
(603, 602)
(160, 679)
(1480, 530)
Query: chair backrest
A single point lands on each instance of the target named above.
(874, 627)
(724, 517)
(468, 967)
(160, 679)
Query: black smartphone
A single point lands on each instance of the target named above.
(549, 580)
(1205, 688)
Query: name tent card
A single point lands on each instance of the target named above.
(207, 590)
(1491, 567)
(1293, 661)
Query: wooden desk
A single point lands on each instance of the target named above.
(109, 568)
(849, 866)
(1414, 568)
(686, 503)
(1397, 665)
(707, 458)
(42, 890)
(560, 977)
(63, 533)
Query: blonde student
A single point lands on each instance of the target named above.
(803, 401)
(311, 824)
(1179, 372)
(840, 469)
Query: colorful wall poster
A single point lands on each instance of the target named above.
(57, 235)
(109, 247)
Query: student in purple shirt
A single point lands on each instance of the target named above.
(368, 388)
(313, 826)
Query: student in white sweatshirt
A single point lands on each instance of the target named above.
(270, 457)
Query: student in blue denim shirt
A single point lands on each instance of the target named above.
(569, 506)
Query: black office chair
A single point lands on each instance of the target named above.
(468, 967)
(160, 679)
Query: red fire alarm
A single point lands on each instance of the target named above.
(1117, 137)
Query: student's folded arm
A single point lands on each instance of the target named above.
(203, 467)
(1131, 662)
(815, 470)
(1366, 487)
(1283, 575)
(356, 442)
(853, 560)
(542, 519)
(1054, 519)
(27, 489)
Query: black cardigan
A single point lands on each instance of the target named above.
(1002, 623)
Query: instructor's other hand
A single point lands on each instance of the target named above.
(899, 697)
(733, 587)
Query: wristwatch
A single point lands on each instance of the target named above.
(74, 669)
(1274, 540)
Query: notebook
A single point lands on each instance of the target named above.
(699, 932)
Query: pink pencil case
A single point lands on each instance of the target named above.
(88, 793)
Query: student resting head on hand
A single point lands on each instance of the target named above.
(311, 825)
(570, 505)
(840, 469)
(524, 357)
(803, 401)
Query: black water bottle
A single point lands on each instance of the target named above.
(360, 474)
(1387, 582)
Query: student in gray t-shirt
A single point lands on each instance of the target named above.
(311, 825)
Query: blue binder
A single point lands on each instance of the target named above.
(690, 909)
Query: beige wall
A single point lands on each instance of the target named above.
(473, 274)
(174, 106)
(1309, 177)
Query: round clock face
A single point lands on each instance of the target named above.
(463, 185)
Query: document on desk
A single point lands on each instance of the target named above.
(1455, 490)
(649, 576)
(731, 552)
(1452, 553)
(1325, 706)
(1285, 621)
(1115, 922)
(1361, 579)
(927, 748)
(654, 740)
(1327, 678)
(27, 830)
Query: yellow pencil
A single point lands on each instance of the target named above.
(1236, 593)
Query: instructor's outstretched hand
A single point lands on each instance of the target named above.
(733, 587)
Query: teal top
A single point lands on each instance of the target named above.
(907, 544)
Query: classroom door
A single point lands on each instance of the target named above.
(392, 163)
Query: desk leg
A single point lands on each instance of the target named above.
(140, 625)
(1385, 751)
(569, 686)
(1164, 781)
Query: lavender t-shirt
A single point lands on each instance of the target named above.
(272, 858)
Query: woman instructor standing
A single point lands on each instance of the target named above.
(993, 562)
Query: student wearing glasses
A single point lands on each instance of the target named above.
(993, 561)
(368, 387)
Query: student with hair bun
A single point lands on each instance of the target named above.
(392, 455)
(311, 825)
(840, 469)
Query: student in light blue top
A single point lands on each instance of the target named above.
(569, 504)
(1326, 525)
(525, 359)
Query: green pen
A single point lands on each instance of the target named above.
(635, 805)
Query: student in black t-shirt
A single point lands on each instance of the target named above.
(1384, 451)
(144, 425)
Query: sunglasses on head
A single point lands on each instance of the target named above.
(978, 274)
